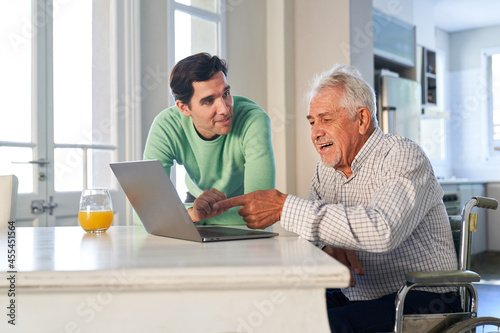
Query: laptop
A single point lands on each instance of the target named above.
(156, 202)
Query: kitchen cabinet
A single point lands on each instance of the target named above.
(430, 75)
(493, 191)
(429, 79)
(395, 40)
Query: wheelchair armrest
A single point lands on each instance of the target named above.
(442, 277)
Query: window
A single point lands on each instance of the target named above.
(61, 126)
(198, 26)
(16, 66)
(495, 99)
(52, 73)
(84, 129)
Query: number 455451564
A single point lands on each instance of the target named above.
(11, 245)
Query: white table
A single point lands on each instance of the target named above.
(129, 281)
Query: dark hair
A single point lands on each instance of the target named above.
(196, 68)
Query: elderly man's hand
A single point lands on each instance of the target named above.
(348, 258)
(203, 206)
(259, 209)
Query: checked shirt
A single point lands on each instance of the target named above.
(390, 211)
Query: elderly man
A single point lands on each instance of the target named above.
(224, 143)
(373, 193)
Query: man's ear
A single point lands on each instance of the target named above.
(183, 107)
(364, 120)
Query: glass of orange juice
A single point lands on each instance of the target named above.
(96, 210)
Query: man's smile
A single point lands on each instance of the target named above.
(322, 145)
(225, 121)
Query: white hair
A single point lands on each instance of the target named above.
(356, 92)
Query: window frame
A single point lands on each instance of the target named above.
(220, 19)
(494, 145)
(124, 73)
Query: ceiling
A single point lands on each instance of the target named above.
(458, 15)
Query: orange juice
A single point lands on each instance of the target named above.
(96, 221)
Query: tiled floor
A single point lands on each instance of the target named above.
(487, 265)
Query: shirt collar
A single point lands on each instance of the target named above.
(367, 149)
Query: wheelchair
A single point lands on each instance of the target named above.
(466, 321)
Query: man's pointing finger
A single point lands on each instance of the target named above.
(231, 202)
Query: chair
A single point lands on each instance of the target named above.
(8, 199)
(462, 228)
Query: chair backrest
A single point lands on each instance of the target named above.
(8, 199)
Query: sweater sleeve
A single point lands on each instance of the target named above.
(260, 171)
(158, 144)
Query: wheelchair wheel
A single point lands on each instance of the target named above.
(476, 325)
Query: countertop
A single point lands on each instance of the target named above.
(65, 280)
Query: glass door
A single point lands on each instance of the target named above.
(22, 130)
(62, 131)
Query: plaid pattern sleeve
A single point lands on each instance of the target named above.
(390, 211)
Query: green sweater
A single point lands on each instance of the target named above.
(237, 163)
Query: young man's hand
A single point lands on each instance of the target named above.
(259, 209)
(203, 206)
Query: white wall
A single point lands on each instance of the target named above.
(423, 19)
(281, 86)
(155, 73)
(326, 33)
(471, 155)
(303, 39)
(321, 38)
(246, 49)
(439, 128)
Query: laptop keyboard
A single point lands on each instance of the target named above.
(211, 232)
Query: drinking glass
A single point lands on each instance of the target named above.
(96, 210)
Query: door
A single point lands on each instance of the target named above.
(62, 133)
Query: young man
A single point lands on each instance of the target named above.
(372, 193)
(224, 143)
